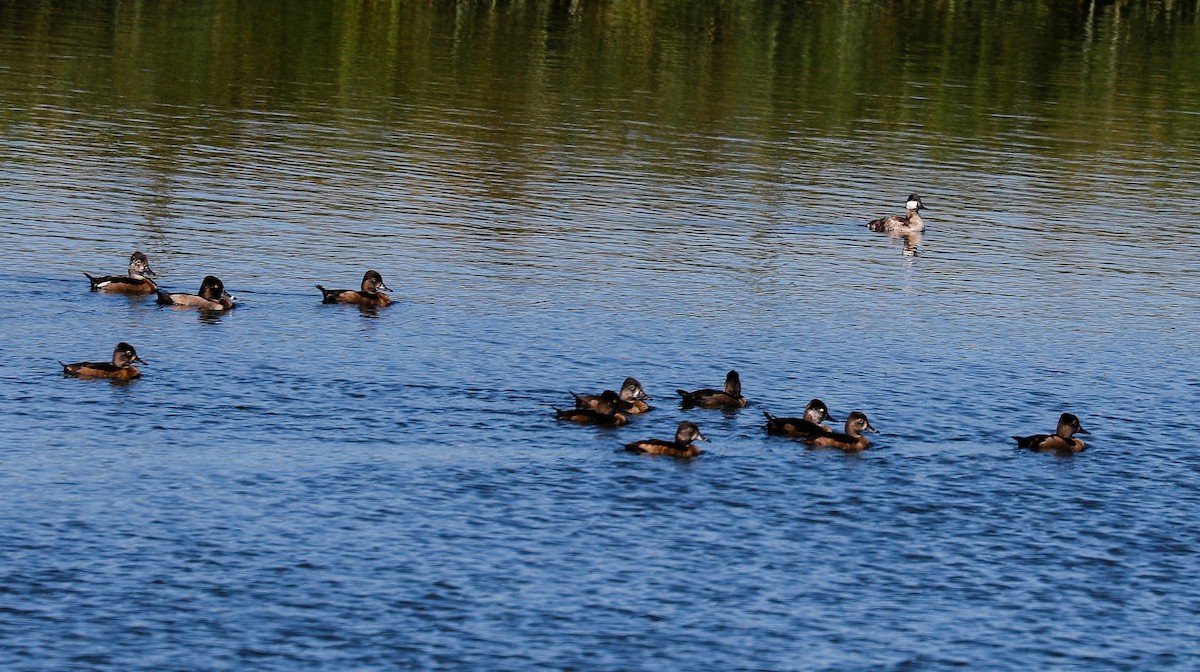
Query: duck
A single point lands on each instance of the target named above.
(121, 368)
(814, 414)
(850, 441)
(632, 398)
(212, 296)
(605, 413)
(729, 398)
(370, 295)
(682, 446)
(137, 280)
(1061, 441)
(911, 222)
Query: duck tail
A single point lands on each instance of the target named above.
(1024, 441)
(92, 279)
(688, 400)
(327, 294)
(165, 299)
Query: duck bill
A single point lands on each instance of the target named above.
(1081, 430)
(871, 429)
(830, 418)
(139, 360)
(149, 273)
(384, 287)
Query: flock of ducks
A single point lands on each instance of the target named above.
(211, 297)
(612, 409)
(607, 409)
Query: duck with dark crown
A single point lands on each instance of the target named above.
(1061, 441)
(682, 446)
(632, 398)
(369, 295)
(605, 413)
(729, 398)
(910, 223)
(212, 296)
(814, 415)
(136, 281)
(850, 441)
(121, 367)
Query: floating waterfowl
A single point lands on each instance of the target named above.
(212, 296)
(369, 295)
(1061, 441)
(682, 446)
(136, 281)
(911, 222)
(729, 398)
(121, 367)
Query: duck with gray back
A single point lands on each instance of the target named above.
(121, 367)
(911, 222)
(136, 281)
(369, 295)
(212, 296)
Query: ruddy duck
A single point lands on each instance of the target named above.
(136, 282)
(605, 413)
(632, 398)
(1061, 441)
(851, 441)
(909, 223)
(212, 296)
(729, 398)
(372, 282)
(814, 414)
(682, 446)
(121, 368)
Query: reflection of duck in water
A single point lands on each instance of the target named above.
(1061, 441)
(632, 398)
(809, 424)
(912, 243)
(910, 223)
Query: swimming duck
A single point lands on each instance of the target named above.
(212, 296)
(814, 414)
(911, 222)
(1061, 441)
(729, 398)
(632, 398)
(136, 282)
(851, 441)
(682, 446)
(605, 413)
(372, 282)
(121, 368)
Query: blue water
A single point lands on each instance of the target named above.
(298, 486)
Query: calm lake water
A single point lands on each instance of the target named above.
(562, 195)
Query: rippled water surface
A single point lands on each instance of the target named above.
(561, 196)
